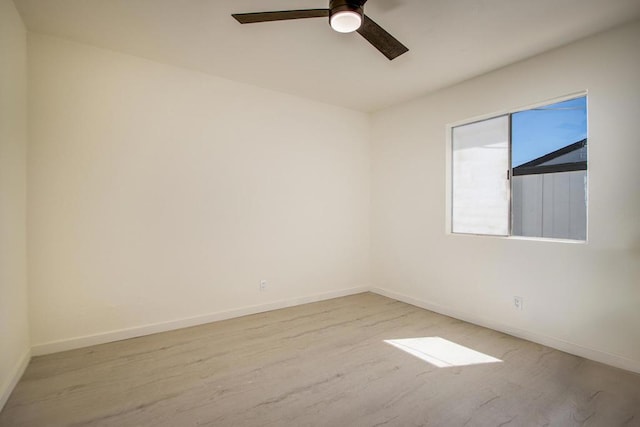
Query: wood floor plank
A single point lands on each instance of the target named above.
(320, 364)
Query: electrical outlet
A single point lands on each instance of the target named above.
(517, 303)
(263, 285)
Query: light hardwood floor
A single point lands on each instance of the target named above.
(321, 364)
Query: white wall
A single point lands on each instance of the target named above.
(158, 194)
(579, 297)
(14, 328)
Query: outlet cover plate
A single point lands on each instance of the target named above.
(517, 302)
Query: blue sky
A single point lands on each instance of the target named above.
(542, 130)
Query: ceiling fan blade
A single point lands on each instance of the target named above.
(381, 40)
(283, 15)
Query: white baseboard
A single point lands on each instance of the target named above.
(105, 337)
(9, 385)
(122, 334)
(557, 343)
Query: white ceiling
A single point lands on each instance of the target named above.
(449, 40)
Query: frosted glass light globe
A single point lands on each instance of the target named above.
(346, 21)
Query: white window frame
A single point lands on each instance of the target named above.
(449, 170)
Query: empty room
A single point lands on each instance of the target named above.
(319, 213)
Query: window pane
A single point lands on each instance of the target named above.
(480, 201)
(549, 152)
(543, 130)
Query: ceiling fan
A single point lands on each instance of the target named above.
(345, 16)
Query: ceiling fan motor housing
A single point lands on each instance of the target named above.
(336, 6)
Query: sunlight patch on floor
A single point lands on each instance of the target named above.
(441, 352)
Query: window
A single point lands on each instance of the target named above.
(522, 173)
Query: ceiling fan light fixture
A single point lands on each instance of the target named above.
(345, 16)
(346, 21)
